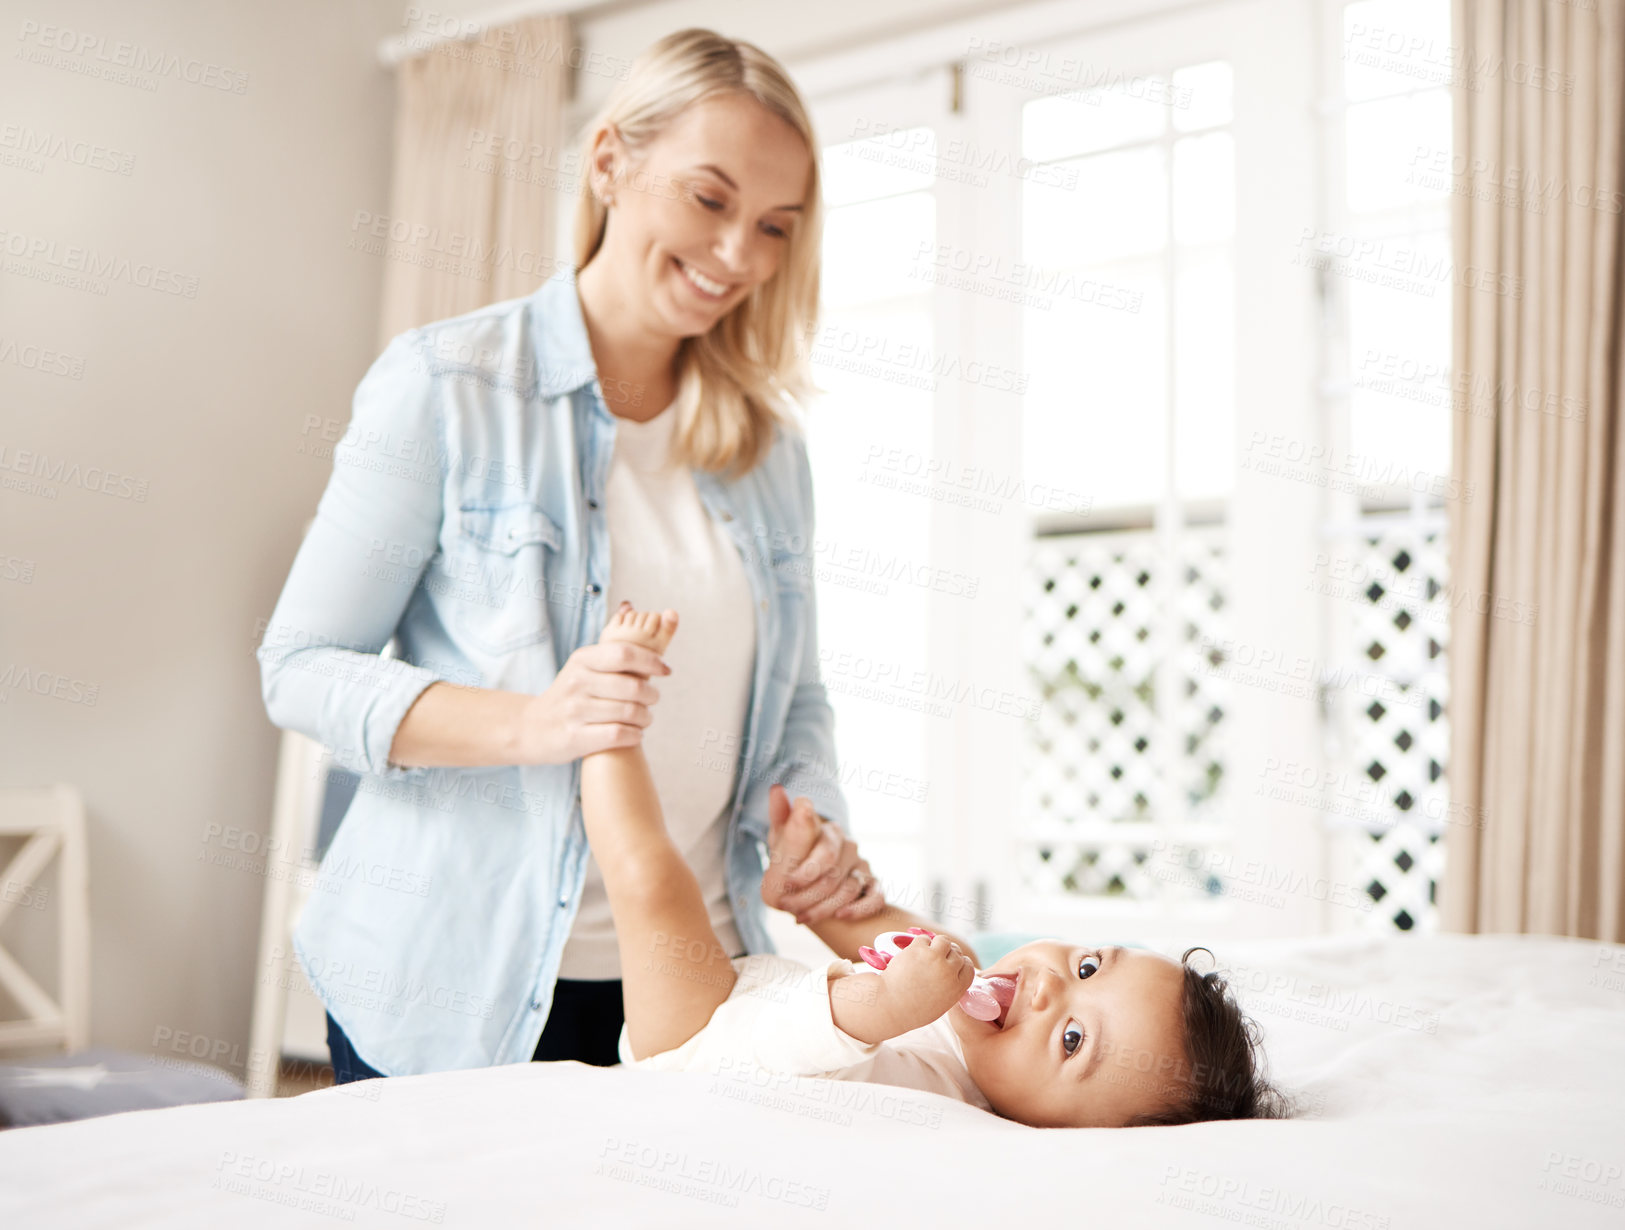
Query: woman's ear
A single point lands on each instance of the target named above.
(608, 153)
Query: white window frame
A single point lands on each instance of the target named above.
(920, 97)
(1271, 45)
(1347, 515)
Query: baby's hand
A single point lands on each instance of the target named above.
(924, 980)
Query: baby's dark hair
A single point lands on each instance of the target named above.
(1226, 1077)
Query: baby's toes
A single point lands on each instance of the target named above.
(665, 628)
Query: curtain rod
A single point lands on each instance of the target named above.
(831, 71)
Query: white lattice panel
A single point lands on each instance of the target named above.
(1390, 697)
(1198, 711)
(1113, 762)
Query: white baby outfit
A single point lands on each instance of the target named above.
(778, 1017)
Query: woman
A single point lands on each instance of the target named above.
(509, 476)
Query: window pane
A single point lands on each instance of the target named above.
(1202, 95)
(875, 419)
(1398, 151)
(1116, 207)
(1204, 376)
(1114, 765)
(1390, 46)
(871, 249)
(1083, 121)
(880, 166)
(1386, 584)
(871, 536)
(1204, 188)
(1399, 348)
(1096, 403)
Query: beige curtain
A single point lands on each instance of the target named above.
(1537, 670)
(467, 226)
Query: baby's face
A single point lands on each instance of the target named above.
(1093, 1037)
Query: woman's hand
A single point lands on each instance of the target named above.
(813, 869)
(599, 700)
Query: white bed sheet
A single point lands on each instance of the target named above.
(1450, 1081)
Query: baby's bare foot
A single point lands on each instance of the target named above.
(647, 628)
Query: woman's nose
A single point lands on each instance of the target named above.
(732, 252)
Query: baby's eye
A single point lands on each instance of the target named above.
(1089, 964)
(1072, 1038)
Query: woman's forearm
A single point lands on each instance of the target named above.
(464, 727)
(845, 935)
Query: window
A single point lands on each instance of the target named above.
(1387, 282)
(869, 439)
(1131, 201)
(1142, 700)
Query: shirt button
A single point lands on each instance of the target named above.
(564, 903)
(535, 1005)
(593, 588)
(726, 515)
(593, 504)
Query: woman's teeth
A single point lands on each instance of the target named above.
(714, 289)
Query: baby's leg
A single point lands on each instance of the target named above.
(674, 970)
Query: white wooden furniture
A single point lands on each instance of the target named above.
(51, 820)
(289, 1021)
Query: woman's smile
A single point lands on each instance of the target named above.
(706, 288)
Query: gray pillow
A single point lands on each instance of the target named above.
(101, 1081)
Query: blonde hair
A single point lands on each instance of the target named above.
(733, 379)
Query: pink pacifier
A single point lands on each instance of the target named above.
(986, 998)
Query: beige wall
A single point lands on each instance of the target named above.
(201, 397)
(197, 402)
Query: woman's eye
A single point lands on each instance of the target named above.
(1088, 966)
(707, 201)
(776, 232)
(1072, 1038)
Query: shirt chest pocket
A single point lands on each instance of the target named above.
(504, 553)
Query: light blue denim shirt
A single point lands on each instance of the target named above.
(464, 521)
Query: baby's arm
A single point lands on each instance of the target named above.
(674, 970)
(921, 982)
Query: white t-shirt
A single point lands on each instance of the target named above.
(777, 1017)
(665, 551)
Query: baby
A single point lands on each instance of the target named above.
(1085, 1037)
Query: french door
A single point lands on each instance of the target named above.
(1061, 319)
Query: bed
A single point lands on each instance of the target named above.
(1446, 1081)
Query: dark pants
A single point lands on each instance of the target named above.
(584, 1024)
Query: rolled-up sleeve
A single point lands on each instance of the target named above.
(805, 763)
(376, 527)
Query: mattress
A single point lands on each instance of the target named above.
(1443, 1081)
